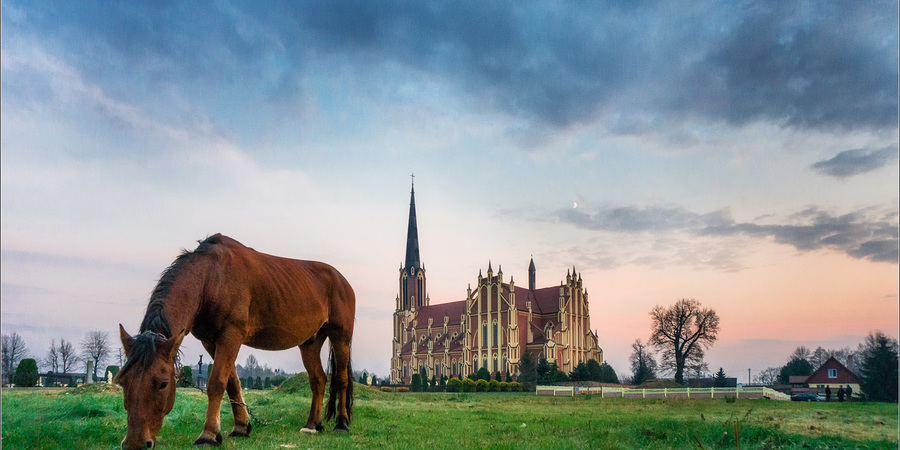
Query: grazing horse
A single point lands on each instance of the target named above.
(227, 295)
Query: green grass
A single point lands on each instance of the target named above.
(63, 419)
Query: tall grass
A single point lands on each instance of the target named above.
(61, 419)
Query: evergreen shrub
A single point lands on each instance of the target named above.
(26, 373)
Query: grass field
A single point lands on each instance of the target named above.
(64, 419)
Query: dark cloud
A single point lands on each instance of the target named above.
(639, 65)
(806, 65)
(861, 234)
(857, 161)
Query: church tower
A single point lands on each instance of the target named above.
(412, 274)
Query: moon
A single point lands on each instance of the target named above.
(574, 205)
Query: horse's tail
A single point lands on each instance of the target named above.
(331, 408)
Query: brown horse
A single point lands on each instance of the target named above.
(227, 295)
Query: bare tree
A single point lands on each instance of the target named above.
(768, 376)
(68, 357)
(681, 332)
(12, 352)
(95, 347)
(802, 352)
(51, 361)
(643, 365)
(252, 365)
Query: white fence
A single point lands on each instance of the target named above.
(619, 392)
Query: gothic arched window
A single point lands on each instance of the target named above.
(484, 334)
(494, 324)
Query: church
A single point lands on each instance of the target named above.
(491, 327)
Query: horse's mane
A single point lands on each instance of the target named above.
(155, 318)
(155, 328)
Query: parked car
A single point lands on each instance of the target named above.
(807, 398)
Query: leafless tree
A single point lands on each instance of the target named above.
(68, 357)
(801, 352)
(95, 347)
(643, 364)
(12, 352)
(681, 332)
(251, 365)
(51, 361)
(768, 376)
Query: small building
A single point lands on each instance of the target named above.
(835, 375)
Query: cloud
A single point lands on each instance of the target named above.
(545, 67)
(857, 161)
(682, 235)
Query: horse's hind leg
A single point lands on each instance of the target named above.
(312, 360)
(341, 389)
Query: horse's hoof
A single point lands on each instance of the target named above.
(320, 427)
(341, 429)
(207, 441)
(308, 430)
(236, 432)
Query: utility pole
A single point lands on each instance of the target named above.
(748, 377)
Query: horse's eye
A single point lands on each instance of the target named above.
(163, 385)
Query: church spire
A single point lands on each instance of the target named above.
(412, 232)
(531, 274)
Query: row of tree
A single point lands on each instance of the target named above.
(62, 358)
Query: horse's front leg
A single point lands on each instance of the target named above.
(215, 388)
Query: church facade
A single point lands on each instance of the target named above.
(491, 327)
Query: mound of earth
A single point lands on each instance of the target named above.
(299, 385)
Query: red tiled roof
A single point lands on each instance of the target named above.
(843, 374)
(437, 312)
(543, 300)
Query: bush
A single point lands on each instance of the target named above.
(416, 383)
(278, 379)
(468, 385)
(26, 373)
(386, 389)
(515, 386)
(402, 389)
(494, 386)
(504, 386)
(454, 385)
(481, 386)
(186, 378)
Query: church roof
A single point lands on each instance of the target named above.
(437, 312)
(543, 300)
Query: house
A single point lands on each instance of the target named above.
(831, 374)
(835, 375)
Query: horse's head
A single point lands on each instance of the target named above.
(148, 383)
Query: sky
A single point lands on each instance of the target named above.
(744, 154)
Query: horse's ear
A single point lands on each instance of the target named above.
(126, 339)
(170, 347)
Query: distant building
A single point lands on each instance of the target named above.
(831, 374)
(491, 327)
(835, 375)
